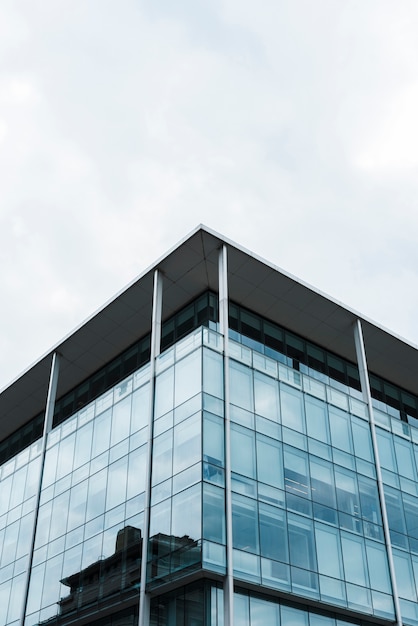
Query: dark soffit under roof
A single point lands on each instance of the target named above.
(188, 269)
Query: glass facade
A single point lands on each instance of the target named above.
(134, 476)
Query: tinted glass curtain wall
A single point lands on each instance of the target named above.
(269, 463)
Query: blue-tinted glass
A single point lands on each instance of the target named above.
(328, 551)
(404, 576)
(322, 482)
(213, 439)
(213, 514)
(386, 451)
(121, 420)
(244, 523)
(188, 377)
(378, 567)
(241, 386)
(410, 504)
(269, 461)
(187, 443)
(241, 610)
(362, 439)
(405, 458)
(162, 457)
(164, 392)
(317, 419)
(301, 542)
(296, 472)
(140, 408)
(213, 373)
(273, 535)
(243, 451)
(292, 409)
(263, 612)
(340, 430)
(354, 558)
(266, 396)
(347, 492)
(394, 510)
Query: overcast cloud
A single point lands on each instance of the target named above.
(289, 126)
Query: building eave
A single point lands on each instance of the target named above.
(190, 268)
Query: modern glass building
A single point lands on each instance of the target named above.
(219, 445)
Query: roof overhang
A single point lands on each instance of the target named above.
(188, 269)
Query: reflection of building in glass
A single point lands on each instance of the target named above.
(221, 415)
(117, 574)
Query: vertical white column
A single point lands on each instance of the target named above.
(49, 414)
(367, 397)
(144, 600)
(224, 325)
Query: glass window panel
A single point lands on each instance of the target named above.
(410, 505)
(405, 458)
(296, 472)
(266, 396)
(347, 492)
(362, 439)
(322, 482)
(241, 386)
(317, 419)
(82, 451)
(101, 435)
(269, 461)
(190, 524)
(354, 559)
(386, 451)
(59, 515)
(394, 510)
(293, 617)
(140, 408)
(116, 483)
(15, 604)
(188, 377)
(301, 542)
(5, 490)
(65, 456)
(369, 500)
(241, 610)
(213, 439)
(244, 523)
(404, 576)
(328, 551)
(340, 430)
(96, 494)
(51, 589)
(25, 536)
(9, 543)
(213, 513)
(378, 567)
(121, 420)
(77, 509)
(213, 373)
(292, 409)
(273, 533)
(263, 612)
(242, 451)
(187, 443)
(50, 467)
(162, 457)
(320, 620)
(164, 392)
(160, 521)
(137, 472)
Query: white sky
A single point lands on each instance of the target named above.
(289, 126)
